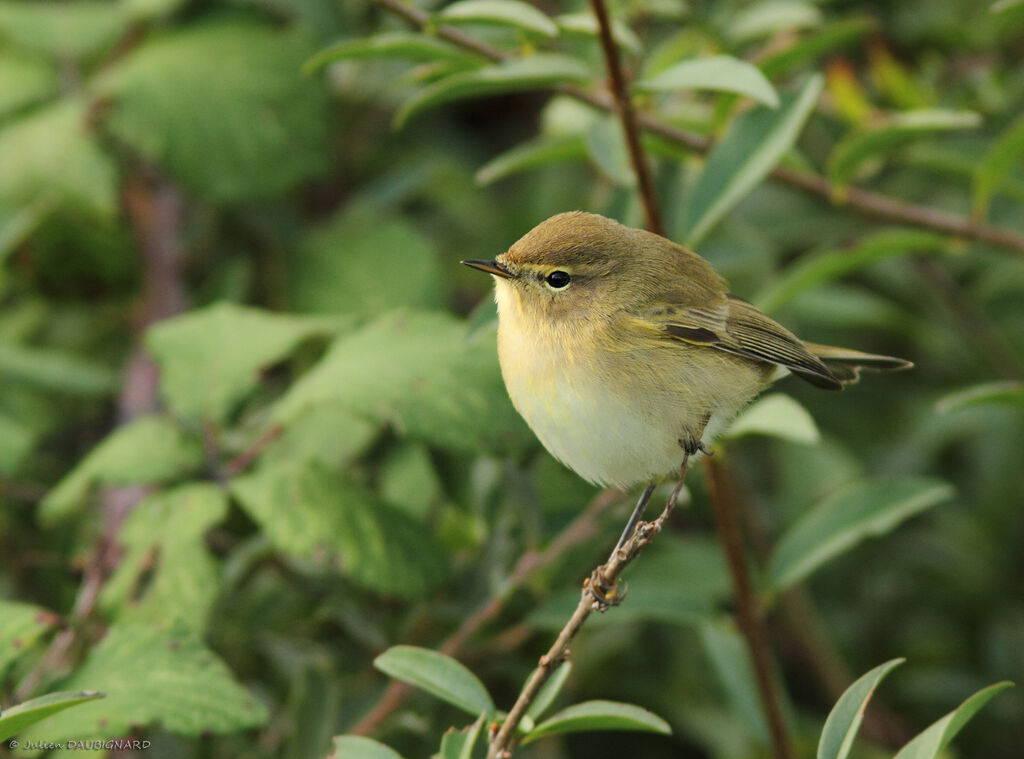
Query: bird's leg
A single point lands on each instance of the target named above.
(637, 513)
(692, 445)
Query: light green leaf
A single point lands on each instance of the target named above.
(503, 12)
(776, 415)
(600, 715)
(408, 46)
(606, 146)
(1003, 5)
(319, 515)
(328, 434)
(459, 744)
(210, 358)
(1000, 159)
(929, 744)
(264, 127)
(17, 225)
(148, 449)
(25, 80)
(365, 263)
(812, 271)
(867, 508)
(756, 141)
(63, 30)
(1008, 393)
(421, 373)
(766, 18)
(844, 720)
(21, 625)
(730, 659)
(549, 691)
(16, 440)
(721, 72)
(833, 36)
(153, 676)
(533, 72)
(50, 154)
(167, 573)
(358, 747)
(852, 151)
(21, 716)
(585, 23)
(540, 151)
(439, 675)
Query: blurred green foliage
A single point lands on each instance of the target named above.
(253, 432)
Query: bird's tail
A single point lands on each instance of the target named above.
(846, 364)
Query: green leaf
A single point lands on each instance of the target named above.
(852, 151)
(771, 16)
(722, 73)
(756, 141)
(51, 154)
(330, 519)
(844, 720)
(730, 659)
(1006, 393)
(21, 625)
(864, 509)
(153, 676)
(439, 675)
(459, 744)
(776, 415)
(21, 716)
(600, 715)
(606, 146)
(533, 72)
(16, 226)
(502, 12)
(358, 747)
(25, 80)
(52, 369)
(167, 573)
(408, 46)
(585, 23)
(1005, 153)
(813, 271)
(833, 36)
(929, 744)
(328, 434)
(211, 358)
(549, 691)
(264, 127)
(16, 440)
(420, 372)
(63, 30)
(149, 449)
(540, 151)
(365, 263)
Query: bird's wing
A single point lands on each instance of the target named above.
(735, 326)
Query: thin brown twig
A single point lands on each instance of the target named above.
(748, 612)
(862, 201)
(627, 117)
(246, 457)
(600, 591)
(578, 531)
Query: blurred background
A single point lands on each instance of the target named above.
(220, 521)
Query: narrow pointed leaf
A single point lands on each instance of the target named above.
(1008, 393)
(586, 23)
(437, 674)
(730, 659)
(530, 73)
(600, 715)
(549, 691)
(721, 72)
(358, 747)
(503, 12)
(407, 46)
(459, 744)
(873, 507)
(831, 37)
(541, 151)
(1000, 159)
(844, 720)
(776, 415)
(928, 744)
(756, 142)
(20, 716)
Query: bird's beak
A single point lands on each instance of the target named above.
(491, 267)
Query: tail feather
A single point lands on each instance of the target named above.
(846, 364)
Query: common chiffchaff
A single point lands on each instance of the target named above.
(624, 351)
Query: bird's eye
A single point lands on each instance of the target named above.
(557, 279)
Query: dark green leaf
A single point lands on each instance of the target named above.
(721, 73)
(502, 12)
(408, 46)
(930, 743)
(1003, 155)
(54, 369)
(837, 34)
(844, 720)
(1007, 393)
(533, 72)
(21, 716)
(358, 747)
(756, 141)
(600, 715)
(865, 509)
(439, 675)
(730, 659)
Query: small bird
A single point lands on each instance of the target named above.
(625, 352)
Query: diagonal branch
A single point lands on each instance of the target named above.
(865, 202)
